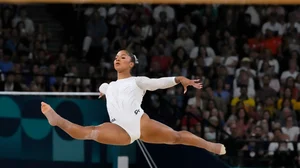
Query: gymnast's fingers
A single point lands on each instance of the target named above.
(197, 80)
(185, 89)
(198, 85)
(101, 94)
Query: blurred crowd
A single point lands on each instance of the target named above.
(247, 58)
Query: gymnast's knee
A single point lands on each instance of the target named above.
(92, 133)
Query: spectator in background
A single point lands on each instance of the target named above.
(273, 67)
(168, 10)
(291, 72)
(255, 17)
(181, 57)
(10, 84)
(287, 95)
(146, 30)
(292, 24)
(269, 106)
(228, 59)
(278, 136)
(281, 151)
(29, 25)
(159, 54)
(220, 103)
(190, 27)
(6, 19)
(184, 40)
(247, 29)
(114, 12)
(62, 65)
(96, 36)
(243, 80)
(248, 102)
(272, 42)
(12, 40)
(266, 91)
(290, 83)
(291, 129)
(283, 114)
(245, 65)
(164, 24)
(243, 121)
(196, 105)
(6, 63)
(203, 42)
(210, 132)
(273, 25)
(221, 92)
(71, 82)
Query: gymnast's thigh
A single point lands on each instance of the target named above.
(155, 132)
(112, 134)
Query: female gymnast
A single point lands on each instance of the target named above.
(128, 120)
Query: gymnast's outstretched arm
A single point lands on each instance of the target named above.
(152, 84)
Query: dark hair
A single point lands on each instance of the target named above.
(133, 57)
(277, 129)
(134, 60)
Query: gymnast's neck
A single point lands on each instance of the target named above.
(124, 75)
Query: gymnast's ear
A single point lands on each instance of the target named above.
(131, 64)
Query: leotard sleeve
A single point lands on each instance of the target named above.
(103, 88)
(152, 84)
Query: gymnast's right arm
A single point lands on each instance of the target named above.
(102, 89)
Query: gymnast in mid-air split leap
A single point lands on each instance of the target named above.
(128, 122)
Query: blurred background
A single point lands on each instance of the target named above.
(246, 56)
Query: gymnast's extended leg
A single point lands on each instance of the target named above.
(106, 133)
(158, 133)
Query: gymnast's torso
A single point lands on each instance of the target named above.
(124, 98)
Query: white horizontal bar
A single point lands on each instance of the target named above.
(50, 93)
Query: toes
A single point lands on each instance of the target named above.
(223, 150)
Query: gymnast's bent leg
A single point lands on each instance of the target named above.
(158, 133)
(106, 133)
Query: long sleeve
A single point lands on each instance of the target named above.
(146, 83)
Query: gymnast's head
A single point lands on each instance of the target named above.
(125, 61)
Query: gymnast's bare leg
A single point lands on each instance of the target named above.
(106, 133)
(158, 133)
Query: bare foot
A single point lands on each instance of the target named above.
(220, 149)
(216, 148)
(50, 114)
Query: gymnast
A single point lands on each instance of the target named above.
(128, 122)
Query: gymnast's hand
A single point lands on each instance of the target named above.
(187, 82)
(101, 95)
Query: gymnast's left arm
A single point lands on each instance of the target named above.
(152, 84)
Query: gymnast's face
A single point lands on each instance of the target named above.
(123, 62)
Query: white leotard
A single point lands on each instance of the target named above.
(124, 98)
